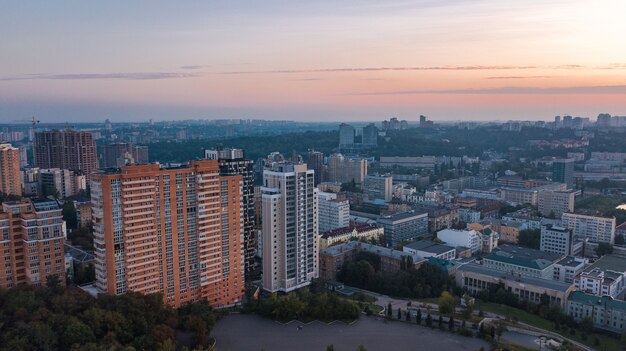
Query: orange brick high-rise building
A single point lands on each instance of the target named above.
(31, 243)
(175, 231)
(10, 178)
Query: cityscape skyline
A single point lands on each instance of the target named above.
(321, 61)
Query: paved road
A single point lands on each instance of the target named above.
(251, 332)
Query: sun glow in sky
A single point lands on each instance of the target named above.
(312, 60)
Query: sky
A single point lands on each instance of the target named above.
(325, 60)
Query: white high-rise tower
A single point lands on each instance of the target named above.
(290, 233)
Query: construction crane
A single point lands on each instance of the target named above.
(33, 121)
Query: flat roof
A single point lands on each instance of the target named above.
(570, 261)
(543, 283)
(608, 263)
(336, 250)
(403, 215)
(522, 256)
(429, 246)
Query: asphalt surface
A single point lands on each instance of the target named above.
(251, 332)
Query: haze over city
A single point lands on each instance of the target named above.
(314, 61)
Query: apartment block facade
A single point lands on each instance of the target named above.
(290, 228)
(176, 231)
(10, 177)
(31, 243)
(556, 202)
(333, 213)
(67, 149)
(596, 229)
(233, 162)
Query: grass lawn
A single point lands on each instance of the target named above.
(376, 309)
(606, 343)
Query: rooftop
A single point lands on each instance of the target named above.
(403, 215)
(570, 261)
(579, 296)
(543, 283)
(608, 263)
(429, 246)
(522, 256)
(336, 250)
(359, 227)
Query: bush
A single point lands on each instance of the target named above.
(465, 332)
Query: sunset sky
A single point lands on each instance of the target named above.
(328, 60)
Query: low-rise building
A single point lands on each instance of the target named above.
(361, 231)
(332, 258)
(475, 278)
(489, 240)
(568, 268)
(523, 261)
(605, 312)
(332, 213)
(467, 215)
(456, 237)
(605, 277)
(441, 218)
(559, 240)
(509, 231)
(427, 248)
(593, 228)
(555, 203)
(403, 227)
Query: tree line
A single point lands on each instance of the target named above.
(54, 318)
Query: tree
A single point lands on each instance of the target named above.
(586, 324)
(619, 239)
(69, 214)
(530, 238)
(418, 316)
(361, 348)
(440, 322)
(429, 320)
(399, 313)
(604, 249)
(330, 347)
(389, 311)
(53, 281)
(451, 323)
(446, 303)
(408, 316)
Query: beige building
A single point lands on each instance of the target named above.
(476, 278)
(593, 228)
(361, 231)
(556, 202)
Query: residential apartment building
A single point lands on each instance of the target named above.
(467, 215)
(315, 161)
(605, 277)
(346, 169)
(10, 177)
(605, 312)
(475, 278)
(233, 162)
(121, 154)
(378, 187)
(466, 238)
(67, 149)
(332, 212)
(559, 240)
(404, 226)
(555, 203)
(61, 182)
(358, 231)
(290, 230)
(596, 229)
(175, 231)
(31, 243)
(523, 261)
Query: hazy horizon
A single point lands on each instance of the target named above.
(341, 60)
